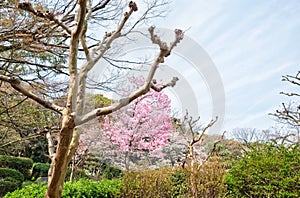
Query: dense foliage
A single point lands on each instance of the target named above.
(265, 170)
(21, 124)
(78, 189)
(8, 185)
(21, 164)
(111, 172)
(10, 180)
(150, 183)
(40, 170)
(268, 170)
(34, 190)
(96, 169)
(12, 173)
(209, 179)
(165, 182)
(168, 182)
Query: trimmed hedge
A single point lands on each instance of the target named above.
(40, 170)
(78, 189)
(8, 172)
(179, 179)
(10, 180)
(8, 184)
(21, 164)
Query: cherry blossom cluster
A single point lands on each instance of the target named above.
(144, 125)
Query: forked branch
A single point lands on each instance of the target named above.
(144, 88)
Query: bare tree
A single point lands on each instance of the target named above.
(195, 135)
(73, 116)
(290, 113)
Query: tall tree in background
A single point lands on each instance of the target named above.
(143, 126)
(70, 22)
(33, 49)
(249, 135)
(22, 123)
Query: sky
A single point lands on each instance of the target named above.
(252, 43)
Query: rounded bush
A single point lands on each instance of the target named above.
(12, 173)
(8, 184)
(40, 169)
(10, 180)
(21, 164)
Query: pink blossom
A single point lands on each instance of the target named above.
(144, 125)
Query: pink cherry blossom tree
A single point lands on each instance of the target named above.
(143, 126)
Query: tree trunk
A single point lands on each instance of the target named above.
(58, 168)
(73, 168)
(127, 161)
(193, 172)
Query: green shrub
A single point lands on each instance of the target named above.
(210, 179)
(33, 190)
(8, 172)
(21, 164)
(179, 184)
(94, 167)
(78, 189)
(10, 180)
(40, 170)
(78, 174)
(27, 183)
(168, 182)
(8, 184)
(148, 184)
(269, 170)
(87, 188)
(207, 178)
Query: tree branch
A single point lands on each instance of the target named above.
(292, 79)
(16, 84)
(104, 46)
(27, 6)
(214, 149)
(51, 147)
(20, 102)
(290, 94)
(72, 61)
(170, 84)
(142, 90)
